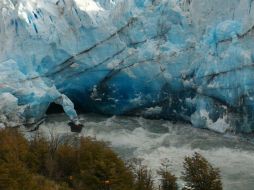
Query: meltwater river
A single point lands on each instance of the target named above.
(157, 140)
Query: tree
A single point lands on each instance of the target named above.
(60, 163)
(143, 176)
(15, 172)
(168, 180)
(200, 175)
(99, 168)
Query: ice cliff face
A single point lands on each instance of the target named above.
(190, 60)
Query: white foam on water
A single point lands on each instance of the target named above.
(155, 141)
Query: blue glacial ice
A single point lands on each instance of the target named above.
(182, 60)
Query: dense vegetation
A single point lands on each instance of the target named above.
(69, 163)
(199, 174)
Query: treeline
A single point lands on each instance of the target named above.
(70, 163)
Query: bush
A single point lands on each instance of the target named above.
(200, 175)
(15, 174)
(59, 164)
(93, 166)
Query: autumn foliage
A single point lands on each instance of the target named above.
(81, 163)
(39, 164)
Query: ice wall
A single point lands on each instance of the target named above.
(188, 60)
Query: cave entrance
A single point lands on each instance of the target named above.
(54, 108)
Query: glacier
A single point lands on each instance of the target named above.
(182, 60)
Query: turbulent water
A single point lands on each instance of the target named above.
(157, 140)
